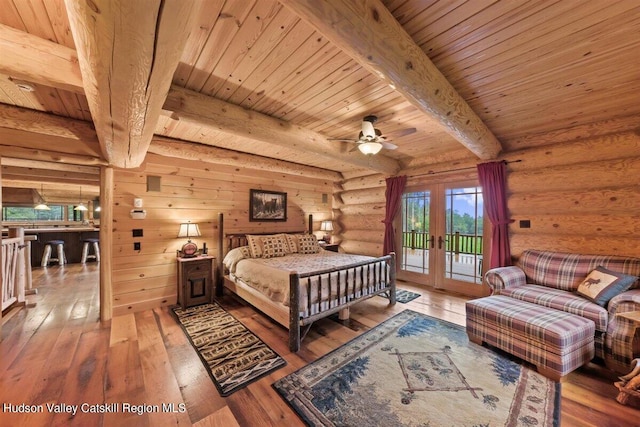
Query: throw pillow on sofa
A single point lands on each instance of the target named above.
(602, 284)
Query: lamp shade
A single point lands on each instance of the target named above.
(189, 229)
(326, 226)
(42, 206)
(370, 148)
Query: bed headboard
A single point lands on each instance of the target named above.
(234, 240)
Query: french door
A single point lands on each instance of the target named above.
(442, 238)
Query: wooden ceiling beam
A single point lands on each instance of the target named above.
(34, 59)
(34, 135)
(11, 151)
(47, 124)
(71, 189)
(31, 174)
(128, 52)
(50, 166)
(369, 33)
(209, 154)
(194, 107)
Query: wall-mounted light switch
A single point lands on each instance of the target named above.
(136, 246)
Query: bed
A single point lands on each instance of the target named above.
(303, 285)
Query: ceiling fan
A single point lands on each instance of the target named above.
(370, 140)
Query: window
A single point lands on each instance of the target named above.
(29, 214)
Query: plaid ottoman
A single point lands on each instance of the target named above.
(554, 341)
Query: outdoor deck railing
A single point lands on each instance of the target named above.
(457, 243)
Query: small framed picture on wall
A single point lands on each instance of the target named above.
(267, 205)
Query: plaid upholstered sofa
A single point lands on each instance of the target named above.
(551, 279)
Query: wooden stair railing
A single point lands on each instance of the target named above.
(14, 267)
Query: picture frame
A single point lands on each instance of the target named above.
(267, 205)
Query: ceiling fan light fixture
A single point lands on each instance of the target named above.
(370, 148)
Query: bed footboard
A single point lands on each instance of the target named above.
(335, 290)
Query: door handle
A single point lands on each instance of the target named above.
(440, 241)
(433, 241)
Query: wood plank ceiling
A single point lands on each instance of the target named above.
(279, 79)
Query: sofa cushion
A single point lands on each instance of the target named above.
(566, 271)
(602, 284)
(560, 300)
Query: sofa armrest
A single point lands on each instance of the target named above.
(621, 339)
(504, 277)
(623, 302)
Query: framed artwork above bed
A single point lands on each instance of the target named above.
(267, 205)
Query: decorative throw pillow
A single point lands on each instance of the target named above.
(285, 242)
(255, 245)
(602, 284)
(308, 244)
(273, 246)
(292, 241)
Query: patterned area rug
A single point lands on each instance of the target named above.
(402, 295)
(232, 354)
(415, 370)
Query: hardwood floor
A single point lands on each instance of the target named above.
(56, 351)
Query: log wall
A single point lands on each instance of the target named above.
(581, 196)
(197, 192)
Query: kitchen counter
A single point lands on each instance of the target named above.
(73, 239)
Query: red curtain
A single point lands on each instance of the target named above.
(393, 194)
(493, 179)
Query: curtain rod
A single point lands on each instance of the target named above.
(459, 169)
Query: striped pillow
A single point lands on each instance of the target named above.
(255, 245)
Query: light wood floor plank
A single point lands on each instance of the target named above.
(161, 387)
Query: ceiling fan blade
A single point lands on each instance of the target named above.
(388, 145)
(355, 147)
(400, 133)
(368, 130)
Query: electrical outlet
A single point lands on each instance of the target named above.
(136, 246)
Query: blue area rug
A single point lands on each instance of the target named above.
(232, 354)
(404, 296)
(415, 370)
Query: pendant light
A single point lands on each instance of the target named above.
(81, 206)
(42, 206)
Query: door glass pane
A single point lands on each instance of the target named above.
(464, 210)
(415, 232)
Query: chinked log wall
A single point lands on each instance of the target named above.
(581, 196)
(195, 191)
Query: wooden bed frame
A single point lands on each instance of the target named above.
(289, 316)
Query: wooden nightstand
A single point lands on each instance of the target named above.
(330, 247)
(196, 278)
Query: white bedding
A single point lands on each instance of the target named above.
(271, 275)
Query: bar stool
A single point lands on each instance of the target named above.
(86, 247)
(48, 248)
